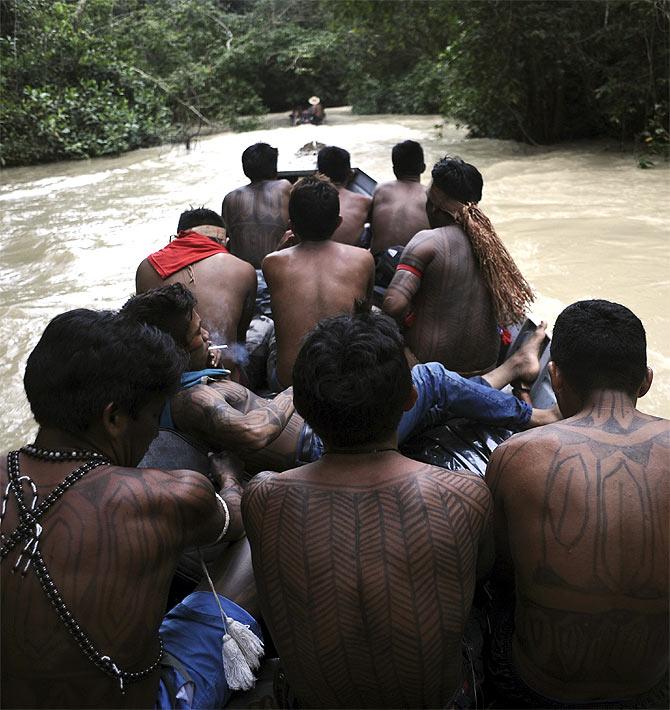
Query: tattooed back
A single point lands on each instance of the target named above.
(581, 510)
(256, 218)
(366, 573)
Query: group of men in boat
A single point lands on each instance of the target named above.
(361, 563)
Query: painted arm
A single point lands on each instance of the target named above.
(228, 469)
(207, 413)
(191, 495)
(406, 282)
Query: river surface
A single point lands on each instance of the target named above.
(582, 221)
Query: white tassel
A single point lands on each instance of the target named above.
(236, 669)
(250, 645)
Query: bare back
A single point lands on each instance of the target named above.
(256, 217)
(453, 319)
(111, 545)
(309, 282)
(224, 286)
(366, 573)
(398, 213)
(354, 210)
(582, 515)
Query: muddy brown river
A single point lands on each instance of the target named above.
(582, 221)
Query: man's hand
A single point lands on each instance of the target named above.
(288, 240)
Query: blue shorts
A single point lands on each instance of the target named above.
(192, 632)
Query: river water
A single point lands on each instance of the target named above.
(582, 221)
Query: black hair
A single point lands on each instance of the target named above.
(259, 162)
(600, 345)
(314, 208)
(334, 162)
(407, 158)
(351, 378)
(201, 215)
(169, 308)
(86, 359)
(458, 179)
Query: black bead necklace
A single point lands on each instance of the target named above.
(29, 525)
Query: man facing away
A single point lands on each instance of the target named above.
(335, 163)
(399, 207)
(224, 285)
(256, 214)
(365, 560)
(456, 278)
(581, 524)
(314, 279)
(90, 543)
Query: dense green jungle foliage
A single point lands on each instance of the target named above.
(83, 78)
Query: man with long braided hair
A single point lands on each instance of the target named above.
(456, 283)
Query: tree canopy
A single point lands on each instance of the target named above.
(93, 77)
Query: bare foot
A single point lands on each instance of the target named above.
(526, 360)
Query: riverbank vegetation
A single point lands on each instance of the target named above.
(82, 78)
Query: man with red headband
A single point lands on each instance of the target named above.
(456, 283)
(224, 285)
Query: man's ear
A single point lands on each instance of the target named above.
(646, 383)
(556, 376)
(114, 421)
(411, 399)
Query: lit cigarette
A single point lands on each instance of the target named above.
(217, 347)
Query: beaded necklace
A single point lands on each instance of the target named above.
(29, 530)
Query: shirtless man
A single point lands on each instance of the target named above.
(268, 434)
(365, 560)
(256, 215)
(224, 285)
(314, 279)
(399, 207)
(354, 208)
(581, 525)
(441, 291)
(82, 617)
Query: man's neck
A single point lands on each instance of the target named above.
(606, 406)
(218, 234)
(60, 440)
(408, 178)
(381, 445)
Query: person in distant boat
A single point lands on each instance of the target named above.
(314, 279)
(315, 113)
(581, 524)
(456, 279)
(365, 560)
(335, 163)
(256, 215)
(399, 207)
(224, 285)
(94, 541)
(267, 434)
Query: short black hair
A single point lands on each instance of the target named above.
(86, 359)
(314, 208)
(169, 308)
(458, 179)
(334, 162)
(259, 161)
(351, 378)
(407, 158)
(201, 215)
(598, 344)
